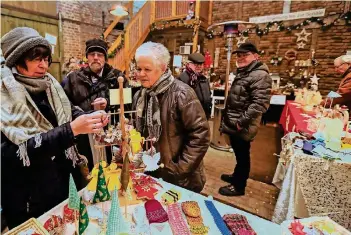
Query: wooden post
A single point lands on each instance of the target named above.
(210, 8)
(174, 8)
(126, 52)
(111, 26)
(153, 11)
(121, 121)
(197, 17)
(130, 8)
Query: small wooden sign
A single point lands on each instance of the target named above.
(114, 96)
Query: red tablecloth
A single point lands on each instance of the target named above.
(292, 119)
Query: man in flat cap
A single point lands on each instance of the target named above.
(89, 87)
(247, 100)
(194, 78)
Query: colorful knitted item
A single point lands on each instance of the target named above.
(176, 220)
(155, 212)
(193, 215)
(171, 196)
(217, 218)
(238, 224)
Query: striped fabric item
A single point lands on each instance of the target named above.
(238, 224)
(176, 220)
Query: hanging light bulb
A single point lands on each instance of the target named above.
(119, 10)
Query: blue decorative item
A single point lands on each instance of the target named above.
(217, 218)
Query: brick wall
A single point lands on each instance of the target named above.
(82, 20)
(328, 44)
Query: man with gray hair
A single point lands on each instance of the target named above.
(342, 66)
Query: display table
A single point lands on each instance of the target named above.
(312, 186)
(292, 118)
(261, 226)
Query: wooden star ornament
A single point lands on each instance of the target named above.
(302, 36)
(240, 40)
(301, 45)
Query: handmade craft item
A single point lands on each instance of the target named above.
(102, 194)
(217, 218)
(236, 223)
(192, 213)
(176, 220)
(136, 141)
(54, 225)
(296, 228)
(141, 223)
(29, 227)
(70, 215)
(151, 162)
(171, 196)
(116, 223)
(83, 217)
(73, 197)
(145, 186)
(155, 212)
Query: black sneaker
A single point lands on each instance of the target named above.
(227, 178)
(230, 191)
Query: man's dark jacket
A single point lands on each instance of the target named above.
(247, 100)
(202, 91)
(81, 91)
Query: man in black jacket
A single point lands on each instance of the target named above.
(195, 79)
(248, 99)
(89, 87)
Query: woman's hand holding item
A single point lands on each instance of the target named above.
(89, 123)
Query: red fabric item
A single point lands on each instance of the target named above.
(155, 212)
(68, 215)
(208, 60)
(292, 120)
(238, 224)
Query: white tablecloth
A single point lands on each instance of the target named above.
(312, 186)
(261, 226)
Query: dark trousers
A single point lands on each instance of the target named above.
(242, 169)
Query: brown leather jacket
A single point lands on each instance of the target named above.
(185, 137)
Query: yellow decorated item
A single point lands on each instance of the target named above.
(136, 141)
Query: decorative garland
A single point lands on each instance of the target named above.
(281, 27)
(119, 47)
(174, 24)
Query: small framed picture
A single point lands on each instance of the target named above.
(30, 227)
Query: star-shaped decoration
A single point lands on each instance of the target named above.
(302, 36)
(145, 192)
(314, 79)
(301, 45)
(296, 228)
(240, 40)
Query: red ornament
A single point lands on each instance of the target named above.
(296, 228)
(68, 215)
(55, 223)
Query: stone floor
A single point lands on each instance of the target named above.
(260, 198)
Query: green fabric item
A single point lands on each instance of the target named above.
(73, 197)
(116, 225)
(102, 194)
(83, 217)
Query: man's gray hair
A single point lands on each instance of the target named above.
(157, 51)
(344, 59)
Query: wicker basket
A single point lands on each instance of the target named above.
(29, 224)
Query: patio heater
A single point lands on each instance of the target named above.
(231, 30)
